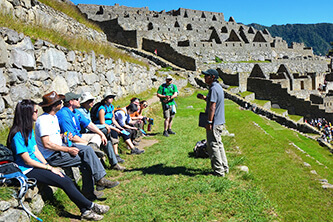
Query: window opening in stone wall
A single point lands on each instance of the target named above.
(169, 29)
(214, 18)
(189, 27)
(134, 18)
(224, 29)
(147, 18)
(100, 11)
(195, 45)
(185, 43)
(226, 44)
(203, 45)
(203, 15)
(192, 19)
(150, 26)
(302, 84)
(185, 14)
(126, 16)
(211, 45)
(158, 29)
(177, 24)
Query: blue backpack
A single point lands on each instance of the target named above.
(10, 174)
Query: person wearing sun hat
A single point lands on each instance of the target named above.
(56, 153)
(216, 120)
(167, 93)
(87, 102)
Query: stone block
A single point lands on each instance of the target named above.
(3, 53)
(59, 85)
(3, 81)
(53, 58)
(72, 79)
(90, 78)
(22, 59)
(15, 215)
(4, 205)
(38, 75)
(19, 92)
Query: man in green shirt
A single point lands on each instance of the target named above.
(167, 92)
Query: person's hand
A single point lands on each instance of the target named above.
(118, 130)
(108, 128)
(209, 126)
(70, 136)
(200, 96)
(73, 151)
(56, 171)
(104, 140)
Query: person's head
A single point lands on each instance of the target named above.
(168, 79)
(108, 97)
(25, 114)
(211, 75)
(136, 101)
(52, 102)
(132, 108)
(143, 104)
(72, 100)
(87, 100)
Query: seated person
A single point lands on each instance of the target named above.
(138, 114)
(56, 153)
(87, 102)
(21, 140)
(105, 116)
(71, 121)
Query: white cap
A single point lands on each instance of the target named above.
(169, 77)
(85, 97)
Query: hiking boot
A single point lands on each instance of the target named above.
(119, 160)
(98, 152)
(165, 133)
(90, 215)
(105, 183)
(171, 132)
(118, 167)
(135, 143)
(94, 196)
(136, 151)
(100, 209)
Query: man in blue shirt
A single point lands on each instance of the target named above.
(71, 121)
(216, 119)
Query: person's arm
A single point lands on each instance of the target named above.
(77, 139)
(200, 96)
(33, 163)
(92, 127)
(211, 112)
(115, 122)
(52, 146)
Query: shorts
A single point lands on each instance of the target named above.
(167, 112)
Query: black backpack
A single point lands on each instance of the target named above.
(6, 155)
(93, 112)
(200, 149)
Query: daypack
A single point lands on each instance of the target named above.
(200, 149)
(10, 174)
(93, 112)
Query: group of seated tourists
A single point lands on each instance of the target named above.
(70, 134)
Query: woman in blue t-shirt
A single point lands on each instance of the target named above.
(106, 117)
(21, 140)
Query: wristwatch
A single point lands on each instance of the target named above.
(209, 122)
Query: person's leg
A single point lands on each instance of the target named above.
(110, 153)
(65, 183)
(94, 141)
(213, 147)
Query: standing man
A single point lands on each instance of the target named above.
(216, 119)
(167, 92)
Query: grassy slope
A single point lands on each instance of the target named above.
(168, 184)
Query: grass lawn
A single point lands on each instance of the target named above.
(168, 184)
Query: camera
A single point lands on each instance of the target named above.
(144, 119)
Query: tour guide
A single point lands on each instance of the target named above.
(167, 92)
(216, 119)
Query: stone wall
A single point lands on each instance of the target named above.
(30, 70)
(34, 12)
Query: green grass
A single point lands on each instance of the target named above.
(260, 102)
(279, 111)
(295, 117)
(168, 184)
(245, 93)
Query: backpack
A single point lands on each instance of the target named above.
(200, 149)
(10, 174)
(93, 112)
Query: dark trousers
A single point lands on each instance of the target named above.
(65, 183)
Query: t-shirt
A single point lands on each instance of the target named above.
(19, 147)
(86, 114)
(71, 121)
(47, 125)
(216, 95)
(167, 91)
(122, 117)
(108, 114)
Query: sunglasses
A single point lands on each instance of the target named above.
(36, 111)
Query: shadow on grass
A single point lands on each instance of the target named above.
(161, 169)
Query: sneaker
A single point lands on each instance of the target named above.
(105, 183)
(119, 160)
(118, 167)
(135, 143)
(90, 215)
(165, 133)
(136, 151)
(100, 209)
(171, 132)
(94, 196)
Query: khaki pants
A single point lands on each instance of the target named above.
(92, 138)
(216, 151)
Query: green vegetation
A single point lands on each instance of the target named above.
(72, 43)
(245, 93)
(168, 184)
(218, 60)
(260, 102)
(279, 111)
(318, 36)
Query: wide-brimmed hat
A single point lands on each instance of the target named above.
(169, 77)
(70, 96)
(86, 96)
(51, 98)
(109, 94)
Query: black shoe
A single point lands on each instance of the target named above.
(94, 196)
(171, 132)
(119, 159)
(136, 151)
(105, 183)
(165, 133)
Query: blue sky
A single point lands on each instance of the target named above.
(264, 12)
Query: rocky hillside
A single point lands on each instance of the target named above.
(318, 36)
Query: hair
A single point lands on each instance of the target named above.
(23, 121)
(132, 107)
(106, 98)
(134, 99)
(143, 101)
(48, 109)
